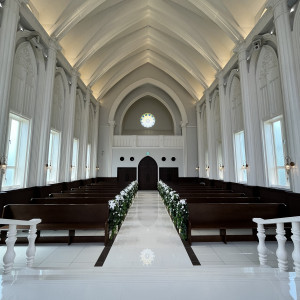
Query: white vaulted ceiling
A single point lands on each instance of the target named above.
(188, 40)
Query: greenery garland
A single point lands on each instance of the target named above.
(176, 207)
(119, 207)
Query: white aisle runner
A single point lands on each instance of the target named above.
(148, 237)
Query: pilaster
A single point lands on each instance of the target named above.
(185, 156)
(226, 132)
(212, 149)
(84, 137)
(10, 19)
(290, 88)
(254, 154)
(200, 154)
(112, 125)
(41, 130)
(68, 130)
(94, 162)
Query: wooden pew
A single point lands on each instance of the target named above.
(69, 217)
(205, 195)
(82, 195)
(224, 216)
(71, 200)
(204, 191)
(223, 200)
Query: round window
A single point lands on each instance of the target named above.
(147, 120)
(131, 158)
(122, 158)
(173, 158)
(163, 159)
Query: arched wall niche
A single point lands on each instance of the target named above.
(127, 90)
(217, 116)
(24, 81)
(152, 91)
(91, 123)
(78, 114)
(59, 98)
(164, 121)
(235, 100)
(217, 147)
(296, 38)
(203, 124)
(268, 84)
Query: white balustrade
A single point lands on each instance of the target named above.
(9, 256)
(281, 252)
(136, 141)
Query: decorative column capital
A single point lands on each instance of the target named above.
(54, 45)
(241, 51)
(183, 124)
(75, 74)
(279, 7)
(112, 124)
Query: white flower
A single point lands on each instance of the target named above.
(119, 198)
(112, 204)
(182, 201)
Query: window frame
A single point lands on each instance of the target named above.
(74, 166)
(51, 159)
(240, 159)
(23, 137)
(271, 155)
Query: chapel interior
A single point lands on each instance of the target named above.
(138, 141)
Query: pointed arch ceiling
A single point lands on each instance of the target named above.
(188, 40)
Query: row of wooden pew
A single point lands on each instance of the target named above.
(82, 208)
(215, 208)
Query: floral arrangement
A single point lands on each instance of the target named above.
(176, 207)
(119, 206)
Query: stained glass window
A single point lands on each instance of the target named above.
(147, 120)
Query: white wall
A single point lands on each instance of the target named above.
(139, 154)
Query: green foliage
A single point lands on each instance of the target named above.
(119, 207)
(176, 207)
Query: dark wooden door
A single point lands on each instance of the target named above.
(168, 174)
(126, 175)
(147, 173)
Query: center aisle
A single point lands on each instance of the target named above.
(147, 237)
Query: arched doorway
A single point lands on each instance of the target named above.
(147, 173)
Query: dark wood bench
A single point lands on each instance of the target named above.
(71, 200)
(223, 200)
(82, 195)
(224, 216)
(206, 195)
(205, 191)
(69, 217)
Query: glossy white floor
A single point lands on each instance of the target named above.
(148, 261)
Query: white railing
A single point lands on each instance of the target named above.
(157, 141)
(9, 256)
(281, 252)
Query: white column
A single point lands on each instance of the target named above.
(212, 149)
(253, 139)
(112, 125)
(84, 136)
(68, 131)
(202, 171)
(94, 162)
(200, 148)
(10, 18)
(226, 132)
(41, 130)
(185, 158)
(290, 88)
